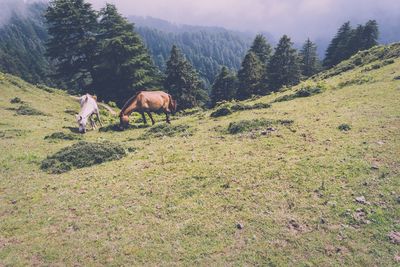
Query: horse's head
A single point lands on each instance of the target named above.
(123, 121)
(81, 122)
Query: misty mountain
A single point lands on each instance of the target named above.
(207, 48)
(22, 45)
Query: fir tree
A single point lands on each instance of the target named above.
(370, 35)
(261, 48)
(284, 66)
(309, 61)
(182, 81)
(224, 87)
(250, 76)
(338, 48)
(123, 65)
(72, 25)
(349, 41)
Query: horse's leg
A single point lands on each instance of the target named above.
(144, 118)
(151, 117)
(98, 118)
(92, 123)
(167, 117)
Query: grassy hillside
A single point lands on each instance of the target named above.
(296, 190)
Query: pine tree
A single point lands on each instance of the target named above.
(309, 61)
(349, 41)
(123, 65)
(250, 76)
(370, 35)
(338, 49)
(224, 86)
(284, 66)
(182, 81)
(72, 25)
(261, 48)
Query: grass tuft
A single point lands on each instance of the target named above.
(303, 92)
(82, 154)
(223, 111)
(29, 111)
(344, 127)
(16, 100)
(63, 136)
(161, 130)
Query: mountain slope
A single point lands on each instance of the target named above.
(299, 194)
(22, 46)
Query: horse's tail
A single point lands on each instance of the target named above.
(171, 104)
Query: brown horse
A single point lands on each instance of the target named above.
(147, 101)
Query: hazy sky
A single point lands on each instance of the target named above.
(298, 18)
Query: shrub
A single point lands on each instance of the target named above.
(344, 127)
(112, 104)
(188, 112)
(248, 125)
(27, 110)
(63, 136)
(16, 100)
(303, 92)
(241, 106)
(45, 88)
(115, 127)
(356, 81)
(256, 124)
(166, 129)
(82, 154)
(70, 111)
(224, 111)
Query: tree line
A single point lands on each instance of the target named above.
(264, 70)
(101, 52)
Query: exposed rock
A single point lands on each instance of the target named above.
(394, 237)
(361, 200)
(239, 226)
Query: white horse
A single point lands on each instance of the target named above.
(88, 108)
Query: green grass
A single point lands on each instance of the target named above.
(82, 154)
(178, 199)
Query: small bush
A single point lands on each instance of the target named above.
(166, 129)
(45, 88)
(303, 92)
(344, 127)
(188, 112)
(224, 111)
(28, 110)
(82, 154)
(240, 106)
(256, 124)
(248, 125)
(63, 136)
(70, 111)
(356, 81)
(115, 127)
(112, 104)
(16, 100)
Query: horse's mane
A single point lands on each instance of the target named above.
(129, 102)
